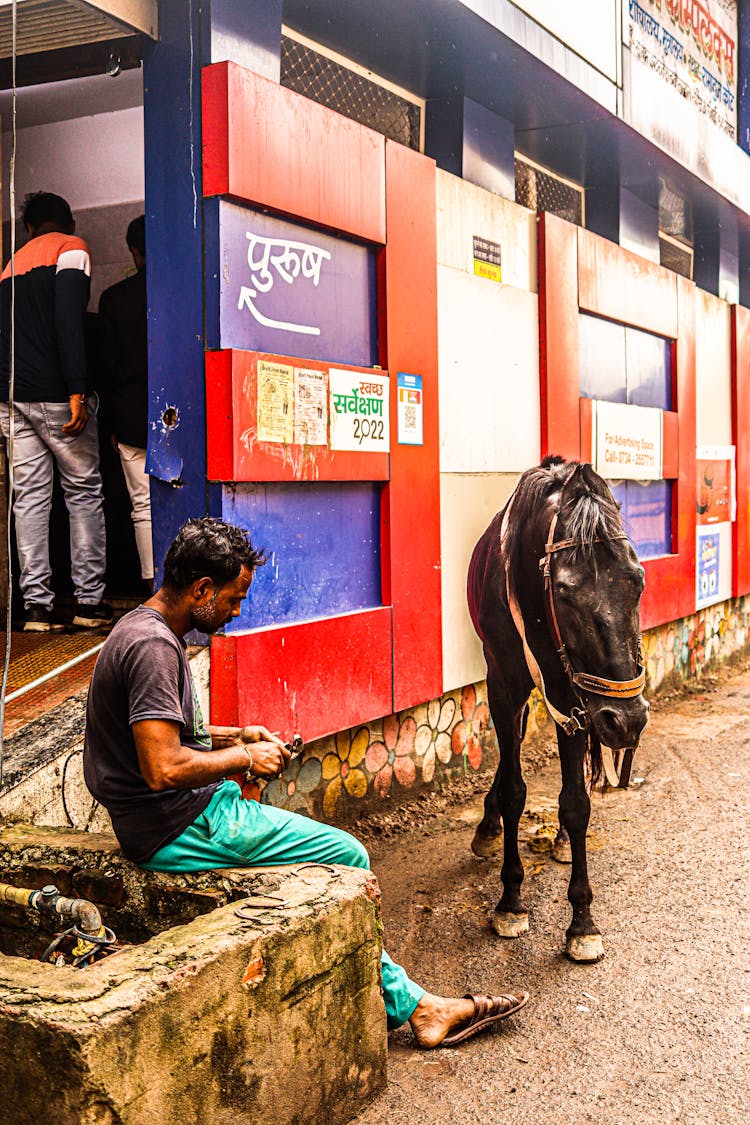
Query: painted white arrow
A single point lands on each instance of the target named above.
(246, 301)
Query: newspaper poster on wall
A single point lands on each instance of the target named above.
(275, 402)
(692, 44)
(359, 407)
(310, 407)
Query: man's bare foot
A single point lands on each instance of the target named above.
(435, 1017)
(439, 1019)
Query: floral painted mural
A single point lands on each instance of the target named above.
(428, 746)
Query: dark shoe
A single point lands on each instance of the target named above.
(93, 616)
(38, 619)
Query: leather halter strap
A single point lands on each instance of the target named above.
(596, 685)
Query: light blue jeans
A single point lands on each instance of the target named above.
(232, 832)
(38, 441)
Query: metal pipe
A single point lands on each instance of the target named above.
(50, 901)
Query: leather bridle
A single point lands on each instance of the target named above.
(582, 681)
(579, 718)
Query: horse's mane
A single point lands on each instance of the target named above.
(589, 514)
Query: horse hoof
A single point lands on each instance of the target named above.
(510, 925)
(487, 847)
(585, 947)
(561, 851)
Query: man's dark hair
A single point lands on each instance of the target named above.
(45, 207)
(136, 236)
(209, 548)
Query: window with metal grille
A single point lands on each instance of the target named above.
(675, 256)
(541, 190)
(334, 82)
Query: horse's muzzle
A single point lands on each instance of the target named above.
(621, 723)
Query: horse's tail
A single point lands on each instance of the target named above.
(594, 755)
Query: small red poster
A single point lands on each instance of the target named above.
(716, 497)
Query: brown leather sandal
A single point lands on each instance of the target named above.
(487, 1010)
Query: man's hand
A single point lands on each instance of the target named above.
(258, 734)
(79, 416)
(269, 758)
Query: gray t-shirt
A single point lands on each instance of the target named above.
(142, 672)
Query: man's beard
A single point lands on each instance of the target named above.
(204, 616)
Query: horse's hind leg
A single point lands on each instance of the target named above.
(488, 838)
(561, 851)
(583, 940)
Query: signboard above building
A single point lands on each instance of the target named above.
(284, 288)
(692, 45)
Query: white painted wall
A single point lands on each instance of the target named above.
(465, 210)
(712, 370)
(91, 161)
(468, 501)
(488, 364)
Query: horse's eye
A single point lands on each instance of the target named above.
(564, 588)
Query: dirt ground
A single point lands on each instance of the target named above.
(658, 1032)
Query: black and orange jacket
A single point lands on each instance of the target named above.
(53, 280)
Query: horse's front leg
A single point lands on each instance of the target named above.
(511, 918)
(583, 940)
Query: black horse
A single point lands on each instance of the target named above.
(553, 588)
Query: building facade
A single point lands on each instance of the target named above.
(397, 252)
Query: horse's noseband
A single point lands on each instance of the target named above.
(597, 685)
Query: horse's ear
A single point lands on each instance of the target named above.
(594, 481)
(572, 485)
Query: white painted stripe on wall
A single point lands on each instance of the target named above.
(489, 375)
(713, 365)
(468, 502)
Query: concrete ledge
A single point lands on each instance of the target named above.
(218, 1020)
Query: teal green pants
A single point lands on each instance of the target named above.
(232, 832)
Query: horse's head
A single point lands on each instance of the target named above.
(596, 587)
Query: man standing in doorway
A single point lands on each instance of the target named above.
(53, 417)
(124, 370)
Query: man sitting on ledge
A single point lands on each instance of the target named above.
(161, 773)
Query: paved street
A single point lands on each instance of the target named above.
(658, 1032)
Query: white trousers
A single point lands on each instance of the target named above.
(133, 462)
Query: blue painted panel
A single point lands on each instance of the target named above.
(622, 364)
(489, 150)
(172, 138)
(248, 32)
(323, 542)
(649, 374)
(288, 289)
(647, 515)
(602, 359)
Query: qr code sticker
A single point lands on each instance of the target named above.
(410, 417)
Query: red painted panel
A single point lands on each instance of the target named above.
(687, 485)
(558, 337)
(670, 442)
(411, 503)
(586, 413)
(579, 271)
(661, 598)
(622, 286)
(741, 439)
(315, 678)
(219, 442)
(268, 145)
(235, 454)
